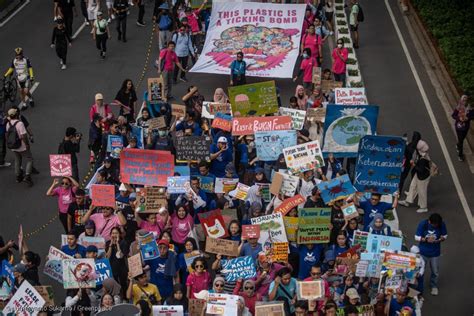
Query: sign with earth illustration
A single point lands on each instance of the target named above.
(269, 36)
(345, 126)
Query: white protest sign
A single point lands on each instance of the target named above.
(297, 117)
(26, 301)
(222, 304)
(53, 265)
(300, 158)
(351, 96)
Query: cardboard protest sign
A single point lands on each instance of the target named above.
(225, 185)
(270, 42)
(279, 252)
(207, 184)
(336, 189)
(193, 148)
(313, 234)
(349, 211)
(254, 99)
(379, 164)
(300, 158)
(289, 184)
(297, 117)
(46, 292)
(222, 246)
(375, 243)
(213, 224)
(8, 280)
(403, 260)
(195, 306)
(135, 265)
(168, 310)
(240, 191)
(146, 167)
(177, 184)
(290, 203)
(60, 165)
(270, 145)
(360, 238)
(156, 123)
(154, 89)
(272, 229)
(223, 122)
(316, 114)
(350, 96)
(178, 110)
(222, 304)
(277, 182)
(26, 301)
(79, 273)
(251, 125)
(137, 131)
(291, 226)
(314, 216)
(53, 266)
(238, 268)
(310, 290)
(103, 270)
(344, 127)
(210, 109)
(148, 247)
(316, 79)
(270, 309)
(250, 231)
(330, 85)
(103, 195)
(151, 199)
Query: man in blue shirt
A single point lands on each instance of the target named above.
(72, 248)
(430, 234)
(374, 206)
(396, 304)
(163, 270)
(221, 155)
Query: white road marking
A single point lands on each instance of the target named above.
(79, 30)
(444, 149)
(14, 13)
(35, 85)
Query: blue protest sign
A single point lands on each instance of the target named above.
(336, 189)
(177, 184)
(137, 131)
(344, 127)
(8, 280)
(207, 184)
(270, 145)
(182, 170)
(114, 145)
(238, 268)
(379, 164)
(223, 116)
(148, 247)
(103, 270)
(375, 243)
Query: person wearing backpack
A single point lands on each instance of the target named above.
(17, 140)
(3, 141)
(184, 48)
(164, 21)
(356, 16)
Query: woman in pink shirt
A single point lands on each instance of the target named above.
(306, 68)
(65, 193)
(102, 109)
(312, 41)
(339, 59)
(198, 280)
(181, 225)
(148, 222)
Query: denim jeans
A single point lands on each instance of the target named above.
(19, 156)
(434, 266)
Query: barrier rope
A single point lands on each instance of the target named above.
(147, 58)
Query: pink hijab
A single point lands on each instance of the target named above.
(301, 101)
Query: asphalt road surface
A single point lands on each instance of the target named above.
(63, 99)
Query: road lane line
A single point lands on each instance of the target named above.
(444, 149)
(79, 30)
(14, 13)
(33, 88)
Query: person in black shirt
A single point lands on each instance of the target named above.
(76, 211)
(121, 9)
(66, 10)
(71, 145)
(61, 41)
(128, 99)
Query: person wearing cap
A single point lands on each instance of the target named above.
(21, 149)
(102, 109)
(238, 68)
(76, 210)
(61, 40)
(164, 22)
(221, 155)
(100, 33)
(351, 297)
(23, 71)
(164, 269)
(395, 304)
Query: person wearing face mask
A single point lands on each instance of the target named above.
(61, 40)
(306, 68)
(339, 59)
(160, 141)
(462, 116)
(184, 49)
(313, 41)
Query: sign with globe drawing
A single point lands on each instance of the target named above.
(345, 126)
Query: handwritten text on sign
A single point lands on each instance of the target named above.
(146, 167)
(351, 96)
(103, 195)
(250, 125)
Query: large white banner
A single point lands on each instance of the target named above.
(269, 36)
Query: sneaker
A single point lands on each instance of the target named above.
(434, 291)
(87, 21)
(422, 210)
(28, 181)
(183, 79)
(141, 23)
(5, 164)
(63, 67)
(404, 203)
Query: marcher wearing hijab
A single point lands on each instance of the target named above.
(462, 121)
(409, 156)
(301, 97)
(378, 227)
(420, 180)
(248, 294)
(110, 286)
(220, 96)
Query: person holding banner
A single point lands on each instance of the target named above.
(238, 67)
